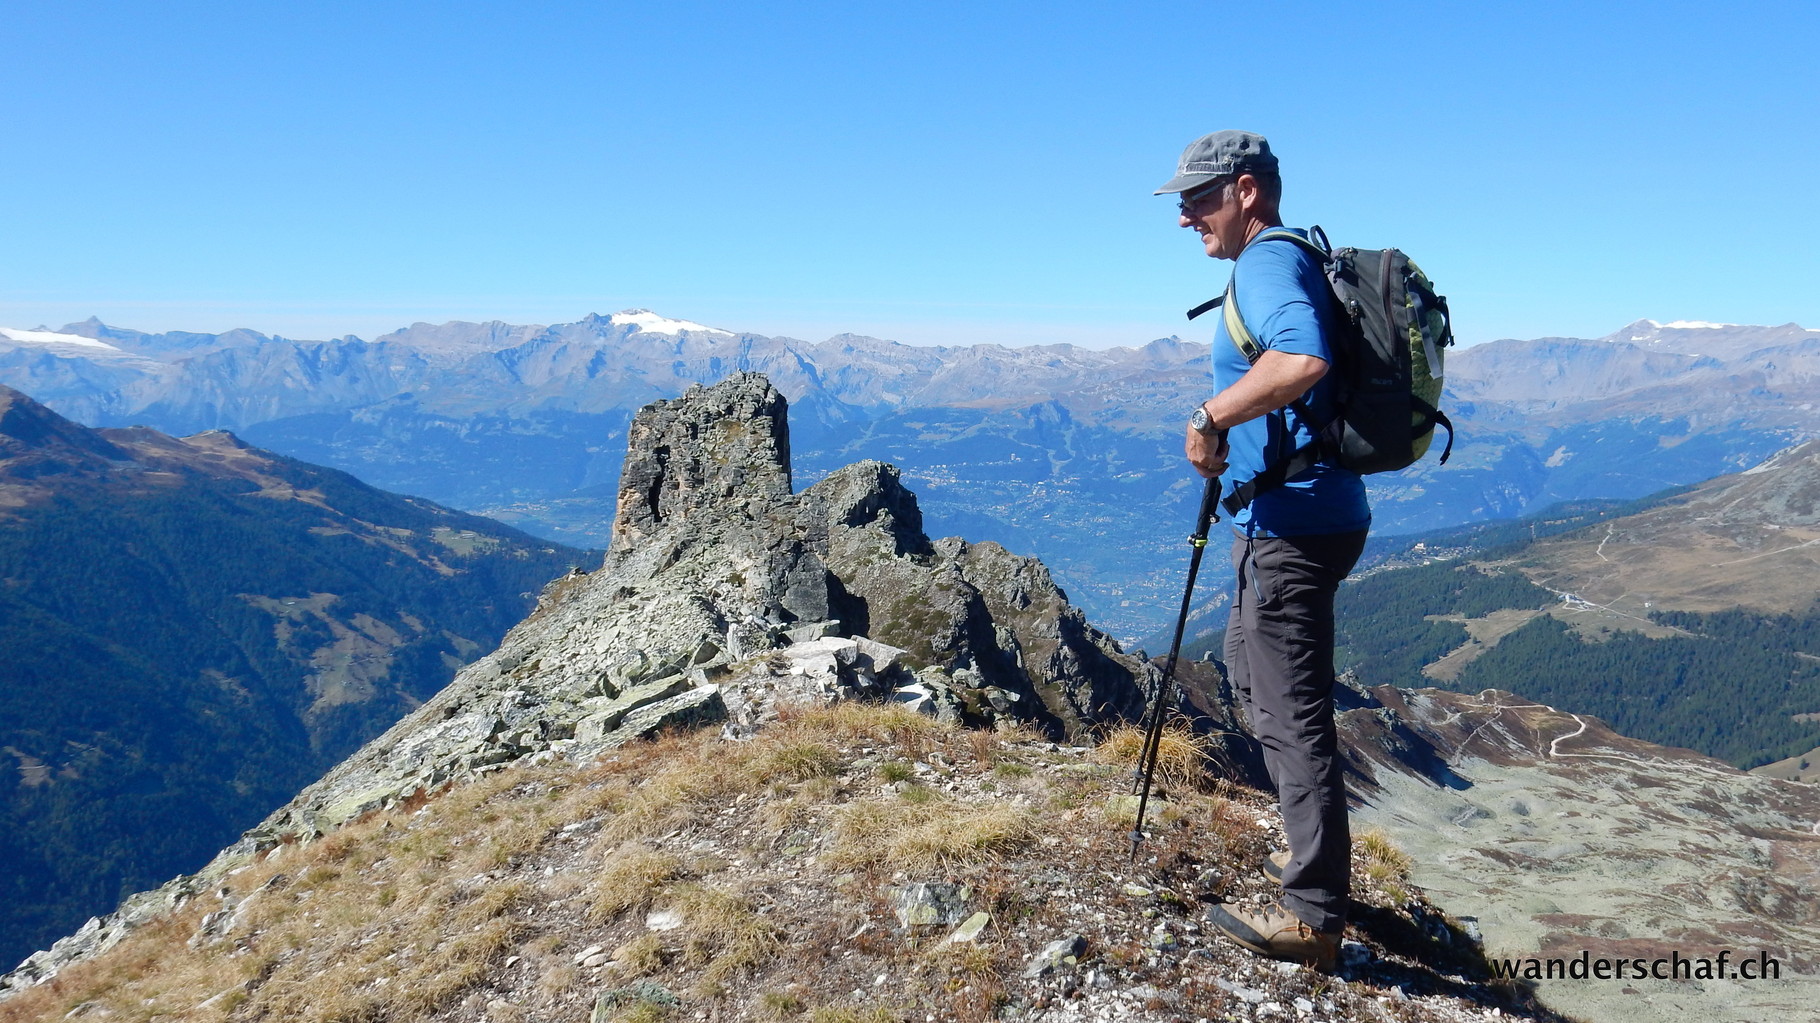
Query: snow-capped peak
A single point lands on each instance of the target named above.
(48, 337)
(647, 322)
(1689, 325)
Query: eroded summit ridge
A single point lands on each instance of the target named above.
(723, 595)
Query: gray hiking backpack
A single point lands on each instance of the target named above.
(1387, 358)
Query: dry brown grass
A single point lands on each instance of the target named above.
(844, 1014)
(1386, 866)
(406, 917)
(699, 774)
(923, 835)
(797, 760)
(985, 746)
(1181, 756)
(642, 956)
(633, 876)
(913, 734)
(381, 919)
(722, 934)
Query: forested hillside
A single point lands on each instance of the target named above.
(1729, 684)
(192, 630)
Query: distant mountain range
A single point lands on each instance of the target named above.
(191, 629)
(1066, 453)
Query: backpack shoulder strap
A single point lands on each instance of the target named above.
(1235, 324)
(1318, 248)
(1308, 454)
(1315, 248)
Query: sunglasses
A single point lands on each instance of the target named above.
(1190, 203)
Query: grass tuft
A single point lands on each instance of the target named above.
(722, 933)
(634, 875)
(642, 956)
(799, 760)
(1386, 866)
(1181, 756)
(923, 835)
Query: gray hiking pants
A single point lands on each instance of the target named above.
(1279, 656)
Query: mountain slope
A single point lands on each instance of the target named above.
(1689, 622)
(190, 629)
(776, 878)
(510, 850)
(1563, 838)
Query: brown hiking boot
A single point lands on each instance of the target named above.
(1273, 866)
(1276, 932)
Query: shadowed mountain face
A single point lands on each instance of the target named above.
(1068, 453)
(1561, 837)
(192, 628)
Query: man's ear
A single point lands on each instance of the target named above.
(1249, 193)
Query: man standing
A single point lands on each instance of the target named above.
(1294, 541)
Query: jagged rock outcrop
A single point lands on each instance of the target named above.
(724, 595)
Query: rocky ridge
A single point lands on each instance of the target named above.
(724, 596)
(858, 863)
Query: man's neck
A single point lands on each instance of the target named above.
(1255, 226)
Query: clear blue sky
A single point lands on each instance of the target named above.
(931, 172)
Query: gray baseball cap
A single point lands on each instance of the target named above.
(1216, 156)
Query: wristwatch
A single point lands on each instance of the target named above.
(1199, 420)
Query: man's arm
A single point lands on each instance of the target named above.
(1275, 380)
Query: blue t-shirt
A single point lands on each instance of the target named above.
(1285, 301)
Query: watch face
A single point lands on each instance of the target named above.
(1198, 419)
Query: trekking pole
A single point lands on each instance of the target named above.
(1153, 739)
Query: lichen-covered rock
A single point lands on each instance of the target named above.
(724, 455)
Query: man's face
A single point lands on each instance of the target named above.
(1213, 211)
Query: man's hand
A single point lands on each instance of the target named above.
(1206, 453)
